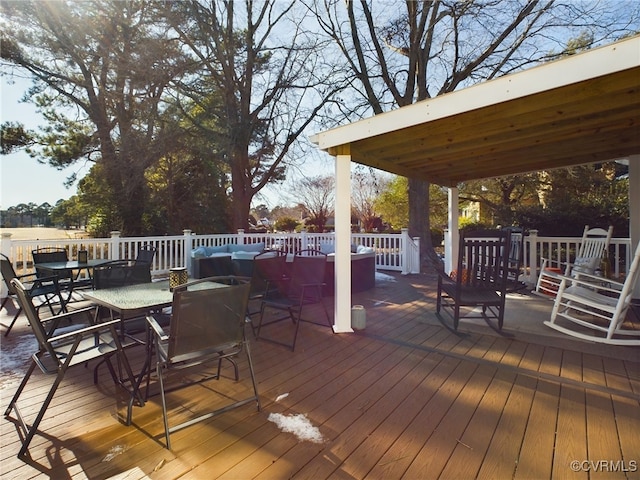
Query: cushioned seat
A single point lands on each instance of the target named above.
(222, 259)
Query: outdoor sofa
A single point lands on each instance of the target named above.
(211, 261)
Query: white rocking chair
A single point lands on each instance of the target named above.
(598, 306)
(593, 247)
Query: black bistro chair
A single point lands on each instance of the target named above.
(66, 279)
(268, 272)
(122, 273)
(119, 273)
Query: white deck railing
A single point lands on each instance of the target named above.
(398, 252)
(395, 252)
(562, 250)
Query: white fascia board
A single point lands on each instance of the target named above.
(598, 62)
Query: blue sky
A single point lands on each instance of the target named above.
(23, 179)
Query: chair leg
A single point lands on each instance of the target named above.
(23, 384)
(252, 373)
(13, 321)
(257, 330)
(501, 314)
(4, 302)
(291, 316)
(30, 431)
(164, 406)
(456, 316)
(297, 322)
(235, 368)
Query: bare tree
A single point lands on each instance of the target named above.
(264, 79)
(401, 52)
(366, 187)
(317, 194)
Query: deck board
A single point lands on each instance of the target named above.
(571, 444)
(405, 398)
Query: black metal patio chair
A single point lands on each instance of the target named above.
(122, 273)
(293, 292)
(268, 272)
(61, 348)
(45, 288)
(146, 255)
(207, 325)
(67, 281)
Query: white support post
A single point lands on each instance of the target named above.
(404, 250)
(533, 256)
(451, 244)
(188, 247)
(634, 209)
(342, 312)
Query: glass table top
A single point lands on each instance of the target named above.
(142, 296)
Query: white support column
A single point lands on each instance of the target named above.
(452, 240)
(342, 312)
(188, 247)
(634, 208)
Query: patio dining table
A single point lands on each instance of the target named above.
(132, 300)
(71, 265)
(65, 269)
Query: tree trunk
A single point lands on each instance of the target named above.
(419, 223)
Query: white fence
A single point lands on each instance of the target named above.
(397, 252)
(562, 250)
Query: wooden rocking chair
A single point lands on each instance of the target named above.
(480, 279)
(596, 307)
(593, 248)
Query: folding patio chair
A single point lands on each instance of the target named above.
(480, 279)
(119, 273)
(62, 349)
(269, 270)
(122, 273)
(303, 287)
(207, 325)
(145, 255)
(66, 280)
(45, 288)
(593, 247)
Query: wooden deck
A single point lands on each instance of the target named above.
(403, 398)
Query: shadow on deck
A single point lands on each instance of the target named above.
(404, 398)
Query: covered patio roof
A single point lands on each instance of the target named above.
(581, 109)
